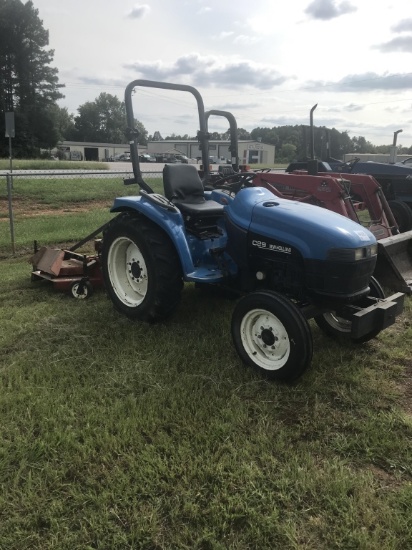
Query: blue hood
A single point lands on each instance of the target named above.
(310, 229)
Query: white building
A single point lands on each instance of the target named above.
(249, 151)
(77, 150)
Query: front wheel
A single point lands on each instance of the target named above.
(402, 214)
(336, 326)
(141, 269)
(271, 335)
(81, 290)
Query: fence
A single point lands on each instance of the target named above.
(59, 206)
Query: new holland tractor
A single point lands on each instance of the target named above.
(355, 196)
(287, 261)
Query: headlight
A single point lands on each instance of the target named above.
(352, 254)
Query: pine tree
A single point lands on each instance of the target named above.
(28, 84)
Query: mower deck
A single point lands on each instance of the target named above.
(68, 271)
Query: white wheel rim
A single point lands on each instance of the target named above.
(338, 323)
(265, 339)
(127, 271)
(75, 292)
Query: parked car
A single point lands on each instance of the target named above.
(160, 157)
(171, 158)
(146, 158)
(181, 158)
(122, 157)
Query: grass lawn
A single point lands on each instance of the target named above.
(122, 435)
(36, 164)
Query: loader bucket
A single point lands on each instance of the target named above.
(394, 265)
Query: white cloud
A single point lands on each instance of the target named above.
(398, 44)
(204, 9)
(212, 71)
(329, 9)
(261, 59)
(365, 82)
(138, 11)
(403, 26)
(222, 35)
(246, 39)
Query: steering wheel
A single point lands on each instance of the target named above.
(235, 182)
(349, 165)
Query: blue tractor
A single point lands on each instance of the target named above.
(288, 262)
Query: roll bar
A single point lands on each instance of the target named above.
(132, 133)
(233, 148)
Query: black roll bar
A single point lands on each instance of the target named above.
(233, 148)
(133, 135)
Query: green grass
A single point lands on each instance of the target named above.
(122, 435)
(60, 192)
(23, 164)
(57, 210)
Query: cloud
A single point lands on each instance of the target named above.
(398, 44)
(234, 106)
(246, 39)
(101, 82)
(329, 9)
(211, 71)
(203, 10)
(364, 83)
(353, 108)
(403, 26)
(280, 121)
(222, 35)
(138, 11)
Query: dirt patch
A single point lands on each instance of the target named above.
(386, 480)
(25, 209)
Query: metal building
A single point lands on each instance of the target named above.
(249, 151)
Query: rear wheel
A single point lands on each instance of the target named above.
(271, 335)
(402, 214)
(336, 326)
(141, 269)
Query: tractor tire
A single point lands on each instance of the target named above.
(402, 214)
(271, 335)
(141, 269)
(337, 327)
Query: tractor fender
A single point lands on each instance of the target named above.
(171, 221)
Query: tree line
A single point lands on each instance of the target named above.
(30, 88)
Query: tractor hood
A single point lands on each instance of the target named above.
(312, 230)
(375, 169)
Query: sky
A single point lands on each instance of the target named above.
(268, 62)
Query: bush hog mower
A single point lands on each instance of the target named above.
(355, 196)
(288, 261)
(68, 271)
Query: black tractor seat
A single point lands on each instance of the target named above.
(184, 188)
